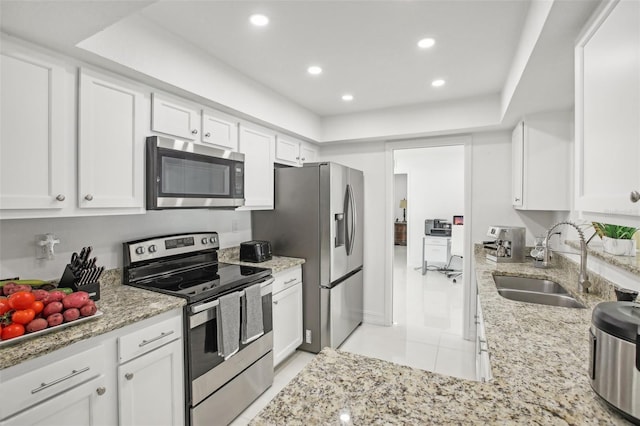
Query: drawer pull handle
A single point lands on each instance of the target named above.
(128, 376)
(162, 335)
(101, 390)
(289, 281)
(73, 373)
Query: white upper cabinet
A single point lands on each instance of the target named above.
(608, 112)
(220, 130)
(34, 112)
(541, 158)
(293, 152)
(258, 146)
(111, 143)
(175, 117)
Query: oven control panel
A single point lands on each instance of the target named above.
(169, 245)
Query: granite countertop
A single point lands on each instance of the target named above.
(539, 357)
(629, 263)
(277, 263)
(121, 305)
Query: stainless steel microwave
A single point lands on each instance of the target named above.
(183, 174)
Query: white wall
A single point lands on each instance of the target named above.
(370, 158)
(435, 189)
(106, 235)
(399, 193)
(491, 190)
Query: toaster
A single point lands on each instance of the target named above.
(255, 251)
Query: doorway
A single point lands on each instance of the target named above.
(438, 187)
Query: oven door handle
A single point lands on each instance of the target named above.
(265, 287)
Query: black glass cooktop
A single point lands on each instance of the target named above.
(203, 282)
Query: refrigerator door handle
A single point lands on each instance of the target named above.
(351, 208)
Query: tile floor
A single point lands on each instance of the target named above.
(426, 334)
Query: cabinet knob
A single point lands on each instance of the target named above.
(275, 302)
(207, 135)
(60, 197)
(635, 196)
(517, 199)
(101, 390)
(297, 158)
(303, 158)
(194, 132)
(88, 197)
(128, 376)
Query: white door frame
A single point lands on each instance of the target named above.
(390, 147)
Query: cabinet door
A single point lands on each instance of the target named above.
(151, 388)
(220, 130)
(83, 405)
(34, 164)
(287, 322)
(110, 144)
(257, 145)
(517, 164)
(287, 151)
(608, 112)
(308, 153)
(174, 118)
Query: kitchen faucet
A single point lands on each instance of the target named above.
(583, 278)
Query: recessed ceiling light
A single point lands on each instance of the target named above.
(437, 83)
(314, 69)
(259, 20)
(426, 43)
(347, 97)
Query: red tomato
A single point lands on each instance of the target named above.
(11, 331)
(37, 306)
(21, 300)
(4, 306)
(23, 316)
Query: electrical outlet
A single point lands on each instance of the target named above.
(234, 226)
(307, 336)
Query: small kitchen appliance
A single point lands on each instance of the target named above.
(614, 362)
(506, 244)
(183, 174)
(437, 227)
(255, 251)
(219, 383)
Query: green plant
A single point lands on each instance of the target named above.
(618, 232)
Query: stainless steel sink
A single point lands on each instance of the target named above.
(535, 290)
(528, 284)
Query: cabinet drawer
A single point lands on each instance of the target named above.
(49, 380)
(142, 341)
(287, 278)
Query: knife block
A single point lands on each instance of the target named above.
(70, 280)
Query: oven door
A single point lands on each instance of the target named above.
(208, 371)
(186, 175)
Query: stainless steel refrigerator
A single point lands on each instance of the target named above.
(318, 216)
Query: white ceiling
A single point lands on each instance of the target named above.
(367, 48)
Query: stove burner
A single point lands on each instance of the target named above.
(169, 281)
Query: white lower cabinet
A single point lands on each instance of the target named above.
(483, 362)
(82, 405)
(150, 388)
(87, 383)
(287, 313)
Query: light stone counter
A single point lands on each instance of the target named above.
(277, 263)
(121, 305)
(539, 358)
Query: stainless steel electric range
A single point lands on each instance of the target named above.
(218, 386)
